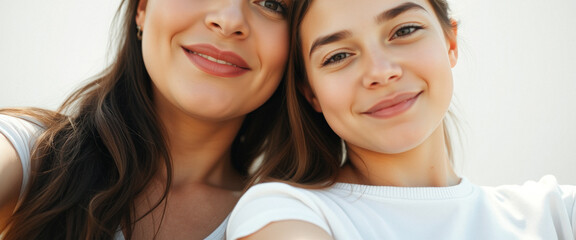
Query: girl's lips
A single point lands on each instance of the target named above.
(393, 106)
(216, 62)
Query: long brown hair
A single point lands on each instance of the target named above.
(304, 149)
(103, 146)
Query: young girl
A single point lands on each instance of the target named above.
(377, 75)
(159, 146)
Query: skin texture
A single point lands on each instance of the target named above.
(367, 60)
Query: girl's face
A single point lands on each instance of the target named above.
(213, 59)
(379, 71)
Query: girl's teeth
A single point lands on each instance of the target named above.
(214, 59)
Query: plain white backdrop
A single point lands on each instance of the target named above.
(515, 82)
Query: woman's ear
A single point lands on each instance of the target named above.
(306, 90)
(453, 43)
(141, 13)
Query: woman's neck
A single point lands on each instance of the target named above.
(200, 151)
(427, 165)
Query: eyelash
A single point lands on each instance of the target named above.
(412, 29)
(279, 4)
(333, 58)
(340, 56)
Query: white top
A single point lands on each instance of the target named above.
(536, 210)
(23, 134)
(218, 234)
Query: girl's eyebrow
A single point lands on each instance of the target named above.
(330, 38)
(382, 17)
(396, 11)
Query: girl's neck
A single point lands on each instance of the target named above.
(427, 165)
(200, 151)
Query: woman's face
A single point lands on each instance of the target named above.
(213, 59)
(379, 71)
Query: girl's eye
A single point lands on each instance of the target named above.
(276, 5)
(336, 58)
(406, 31)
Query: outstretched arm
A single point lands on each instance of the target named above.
(290, 230)
(280, 211)
(10, 179)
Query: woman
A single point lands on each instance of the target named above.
(160, 145)
(377, 76)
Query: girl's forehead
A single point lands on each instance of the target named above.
(329, 16)
(325, 12)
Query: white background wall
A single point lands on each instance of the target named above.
(48, 48)
(515, 81)
(516, 88)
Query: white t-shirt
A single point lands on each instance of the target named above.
(536, 210)
(23, 134)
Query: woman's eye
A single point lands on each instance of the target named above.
(276, 6)
(406, 31)
(336, 58)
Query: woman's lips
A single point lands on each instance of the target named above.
(216, 62)
(393, 106)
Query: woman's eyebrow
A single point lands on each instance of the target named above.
(330, 38)
(382, 17)
(396, 11)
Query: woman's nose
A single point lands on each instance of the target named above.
(380, 70)
(228, 19)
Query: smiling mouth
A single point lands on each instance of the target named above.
(393, 106)
(216, 62)
(210, 58)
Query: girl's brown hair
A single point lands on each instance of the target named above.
(304, 149)
(102, 148)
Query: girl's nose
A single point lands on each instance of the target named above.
(380, 70)
(229, 20)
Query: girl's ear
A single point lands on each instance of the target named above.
(453, 43)
(306, 90)
(141, 13)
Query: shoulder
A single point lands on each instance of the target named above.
(276, 191)
(266, 203)
(270, 195)
(284, 230)
(552, 190)
(275, 188)
(543, 196)
(10, 177)
(9, 165)
(17, 138)
(547, 186)
(19, 131)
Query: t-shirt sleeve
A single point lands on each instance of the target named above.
(569, 196)
(22, 135)
(271, 202)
